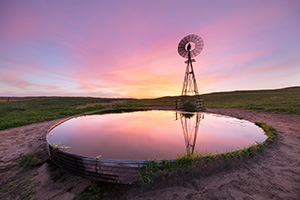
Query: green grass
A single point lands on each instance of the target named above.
(20, 186)
(102, 190)
(152, 169)
(23, 111)
(285, 100)
(29, 161)
(269, 130)
(149, 172)
(19, 113)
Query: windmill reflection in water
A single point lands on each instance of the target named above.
(190, 124)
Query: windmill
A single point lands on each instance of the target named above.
(190, 125)
(189, 47)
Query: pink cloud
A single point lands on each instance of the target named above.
(126, 49)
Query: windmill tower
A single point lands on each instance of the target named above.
(190, 125)
(189, 47)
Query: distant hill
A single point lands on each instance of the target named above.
(279, 100)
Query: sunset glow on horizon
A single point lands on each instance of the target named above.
(129, 48)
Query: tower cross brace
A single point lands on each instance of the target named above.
(189, 84)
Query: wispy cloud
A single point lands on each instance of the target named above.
(129, 49)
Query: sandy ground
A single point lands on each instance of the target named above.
(273, 174)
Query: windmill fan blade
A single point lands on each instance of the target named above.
(197, 40)
(193, 38)
(185, 40)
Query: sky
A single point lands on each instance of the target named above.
(129, 48)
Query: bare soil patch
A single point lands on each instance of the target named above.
(273, 174)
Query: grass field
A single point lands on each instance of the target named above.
(31, 110)
(23, 111)
(285, 100)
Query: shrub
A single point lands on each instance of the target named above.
(188, 106)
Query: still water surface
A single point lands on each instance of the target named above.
(154, 134)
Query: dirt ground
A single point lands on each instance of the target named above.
(273, 174)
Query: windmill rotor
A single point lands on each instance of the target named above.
(190, 43)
